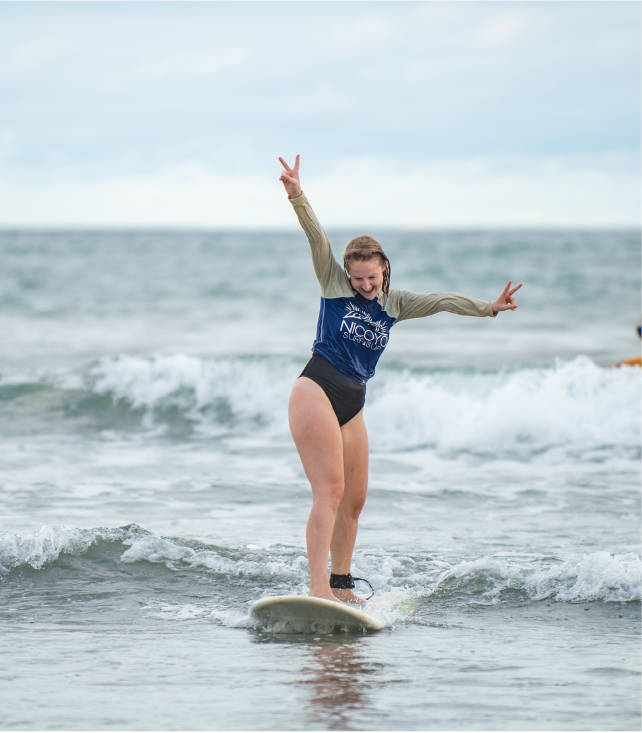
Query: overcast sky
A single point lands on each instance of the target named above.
(409, 114)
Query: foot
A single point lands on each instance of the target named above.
(326, 595)
(347, 596)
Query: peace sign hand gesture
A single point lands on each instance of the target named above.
(290, 178)
(505, 300)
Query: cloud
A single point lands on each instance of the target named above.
(190, 64)
(503, 191)
(366, 192)
(363, 33)
(30, 56)
(426, 111)
(503, 30)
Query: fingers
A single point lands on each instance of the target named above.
(507, 292)
(285, 177)
(294, 170)
(504, 294)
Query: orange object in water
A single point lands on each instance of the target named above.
(634, 361)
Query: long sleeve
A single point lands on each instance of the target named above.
(329, 272)
(404, 304)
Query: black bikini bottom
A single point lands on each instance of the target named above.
(346, 395)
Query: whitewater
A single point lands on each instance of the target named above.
(150, 491)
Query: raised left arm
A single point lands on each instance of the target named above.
(404, 304)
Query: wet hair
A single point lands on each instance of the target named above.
(364, 248)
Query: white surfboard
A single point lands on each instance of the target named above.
(305, 613)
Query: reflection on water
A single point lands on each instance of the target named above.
(340, 681)
(337, 678)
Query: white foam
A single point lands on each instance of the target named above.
(45, 545)
(575, 404)
(254, 390)
(175, 611)
(393, 607)
(400, 581)
(598, 576)
(167, 611)
(151, 548)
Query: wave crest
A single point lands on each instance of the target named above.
(598, 576)
(576, 406)
(573, 408)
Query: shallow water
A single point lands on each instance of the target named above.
(151, 493)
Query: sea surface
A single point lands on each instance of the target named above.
(150, 491)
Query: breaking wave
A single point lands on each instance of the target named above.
(574, 406)
(597, 576)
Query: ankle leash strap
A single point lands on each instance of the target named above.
(347, 581)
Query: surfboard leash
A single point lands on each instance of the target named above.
(347, 581)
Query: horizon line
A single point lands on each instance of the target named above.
(269, 229)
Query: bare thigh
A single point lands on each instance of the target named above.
(318, 439)
(355, 462)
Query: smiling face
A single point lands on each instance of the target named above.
(366, 276)
(367, 266)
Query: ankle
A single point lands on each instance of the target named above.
(345, 581)
(341, 580)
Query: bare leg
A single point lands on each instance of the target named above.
(318, 439)
(355, 468)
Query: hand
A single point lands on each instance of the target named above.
(505, 301)
(290, 178)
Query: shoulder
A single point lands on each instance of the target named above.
(392, 302)
(403, 304)
(337, 285)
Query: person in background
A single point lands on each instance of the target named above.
(634, 360)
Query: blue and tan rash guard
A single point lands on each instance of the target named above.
(352, 331)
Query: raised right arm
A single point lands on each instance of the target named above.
(328, 271)
(333, 280)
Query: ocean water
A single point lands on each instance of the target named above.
(150, 491)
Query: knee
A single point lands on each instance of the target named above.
(352, 506)
(333, 495)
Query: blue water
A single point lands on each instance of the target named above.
(151, 491)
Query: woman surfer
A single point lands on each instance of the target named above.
(325, 411)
